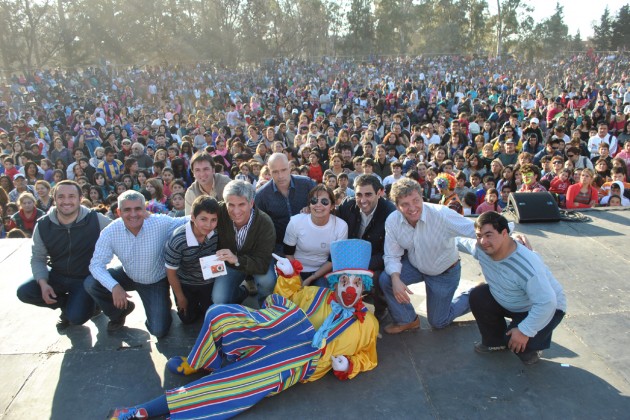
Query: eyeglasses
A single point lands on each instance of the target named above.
(558, 162)
(324, 201)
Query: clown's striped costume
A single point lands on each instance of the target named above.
(270, 349)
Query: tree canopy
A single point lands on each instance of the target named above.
(85, 32)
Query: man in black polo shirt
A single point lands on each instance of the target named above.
(66, 237)
(365, 214)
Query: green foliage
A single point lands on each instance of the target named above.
(603, 34)
(73, 33)
(621, 29)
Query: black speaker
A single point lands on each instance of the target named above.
(534, 207)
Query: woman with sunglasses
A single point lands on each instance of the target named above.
(308, 236)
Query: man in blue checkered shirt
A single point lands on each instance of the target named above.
(137, 239)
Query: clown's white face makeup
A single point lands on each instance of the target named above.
(349, 290)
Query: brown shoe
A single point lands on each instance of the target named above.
(398, 328)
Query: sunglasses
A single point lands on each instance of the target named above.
(570, 156)
(324, 201)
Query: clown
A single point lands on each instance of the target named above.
(446, 183)
(300, 335)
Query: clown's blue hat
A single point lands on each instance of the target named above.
(350, 256)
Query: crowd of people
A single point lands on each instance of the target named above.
(176, 170)
(465, 130)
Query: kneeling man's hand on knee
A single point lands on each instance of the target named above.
(120, 297)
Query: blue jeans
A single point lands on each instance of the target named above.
(155, 298)
(442, 309)
(226, 288)
(92, 145)
(75, 304)
(321, 281)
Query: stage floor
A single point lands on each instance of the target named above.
(427, 374)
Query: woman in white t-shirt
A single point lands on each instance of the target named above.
(308, 236)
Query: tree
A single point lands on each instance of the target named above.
(621, 29)
(30, 37)
(393, 26)
(361, 36)
(602, 33)
(512, 25)
(553, 31)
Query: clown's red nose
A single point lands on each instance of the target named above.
(349, 295)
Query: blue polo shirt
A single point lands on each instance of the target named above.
(281, 208)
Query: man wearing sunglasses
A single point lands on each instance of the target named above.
(579, 162)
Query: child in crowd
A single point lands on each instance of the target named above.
(9, 167)
(157, 202)
(343, 183)
(559, 185)
(488, 183)
(490, 203)
(505, 195)
(616, 189)
(468, 203)
(177, 186)
(331, 181)
(167, 177)
(368, 168)
(615, 201)
(461, 189)
(340, 195)
(397, 169)
(178, 205)
(475, 181)
(315, 169)
(411, 159)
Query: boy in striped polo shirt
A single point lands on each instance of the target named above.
(182, 253)
(110, 167)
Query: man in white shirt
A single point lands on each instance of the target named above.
(427, 233)
(429, 136)
(603, 136)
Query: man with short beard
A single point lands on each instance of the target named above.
(65, 237)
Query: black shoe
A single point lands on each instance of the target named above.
(63, 322)
(120, 322)
(250, 286)
(243, 294)
(482, 348)
(381, 313)
(530, 358)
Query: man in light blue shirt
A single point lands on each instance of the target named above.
(519, 286)
(137, 239)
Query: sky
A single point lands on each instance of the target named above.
(578, 14)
